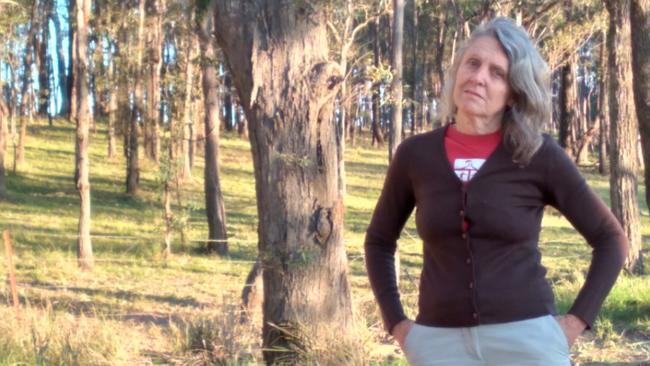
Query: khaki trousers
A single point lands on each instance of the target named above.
(532, 342)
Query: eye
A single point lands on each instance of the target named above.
(499, 74)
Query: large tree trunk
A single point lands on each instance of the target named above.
(82, 166)
(133, 168)
(640, 18)
(277, 53)
(396, 86)
(623, 130)
(155, 10)
(214, 205)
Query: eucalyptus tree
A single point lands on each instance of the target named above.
(82, 158)
(640, 25)
(623, 130)
(277, 53)
(214, 203)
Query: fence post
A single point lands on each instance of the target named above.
(12, 271)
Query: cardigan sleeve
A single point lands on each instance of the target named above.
(394, 207)
(569, 193)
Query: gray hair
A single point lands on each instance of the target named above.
(529, 81)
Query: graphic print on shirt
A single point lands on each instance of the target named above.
(465, 169)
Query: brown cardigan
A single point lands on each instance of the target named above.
(492, 273)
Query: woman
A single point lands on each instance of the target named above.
(480, 185)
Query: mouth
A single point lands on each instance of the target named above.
(475, 94)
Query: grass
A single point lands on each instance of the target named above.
(136, 307)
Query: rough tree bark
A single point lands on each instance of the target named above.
(82, 163)
(640, 18)
(214, 205)
(623, 130)
(277, 53)
(398, 70)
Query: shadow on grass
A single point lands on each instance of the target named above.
(363, 168)
(94, 309)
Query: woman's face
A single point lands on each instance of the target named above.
(482, 90)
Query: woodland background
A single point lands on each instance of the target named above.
(190, 182)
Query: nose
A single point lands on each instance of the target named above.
(479, 76)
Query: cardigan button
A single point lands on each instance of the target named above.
(474, 315)
(471, 285)
(464, 235)
(468, 260)
(462, 212)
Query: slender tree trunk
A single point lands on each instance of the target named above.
(187, 147)
(242, 123)
(623, 130)
(26, 91)
(73, 82)
(440, 47)
(416, 85)
(42, 59)
(398, 69)
(61, 68)
(377, 138)
(227, 101)
(640, 18)
(4, 112)
(133, 168)
(112, 108)
(72, 95)
(197, 118)
(603, 130)
(277, 53)
(82, 166)
(214, 205)
(168, 214)
(155, 10)
(566, 114)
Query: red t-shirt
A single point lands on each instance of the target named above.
(467, 153)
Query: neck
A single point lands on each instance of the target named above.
(477, 125)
